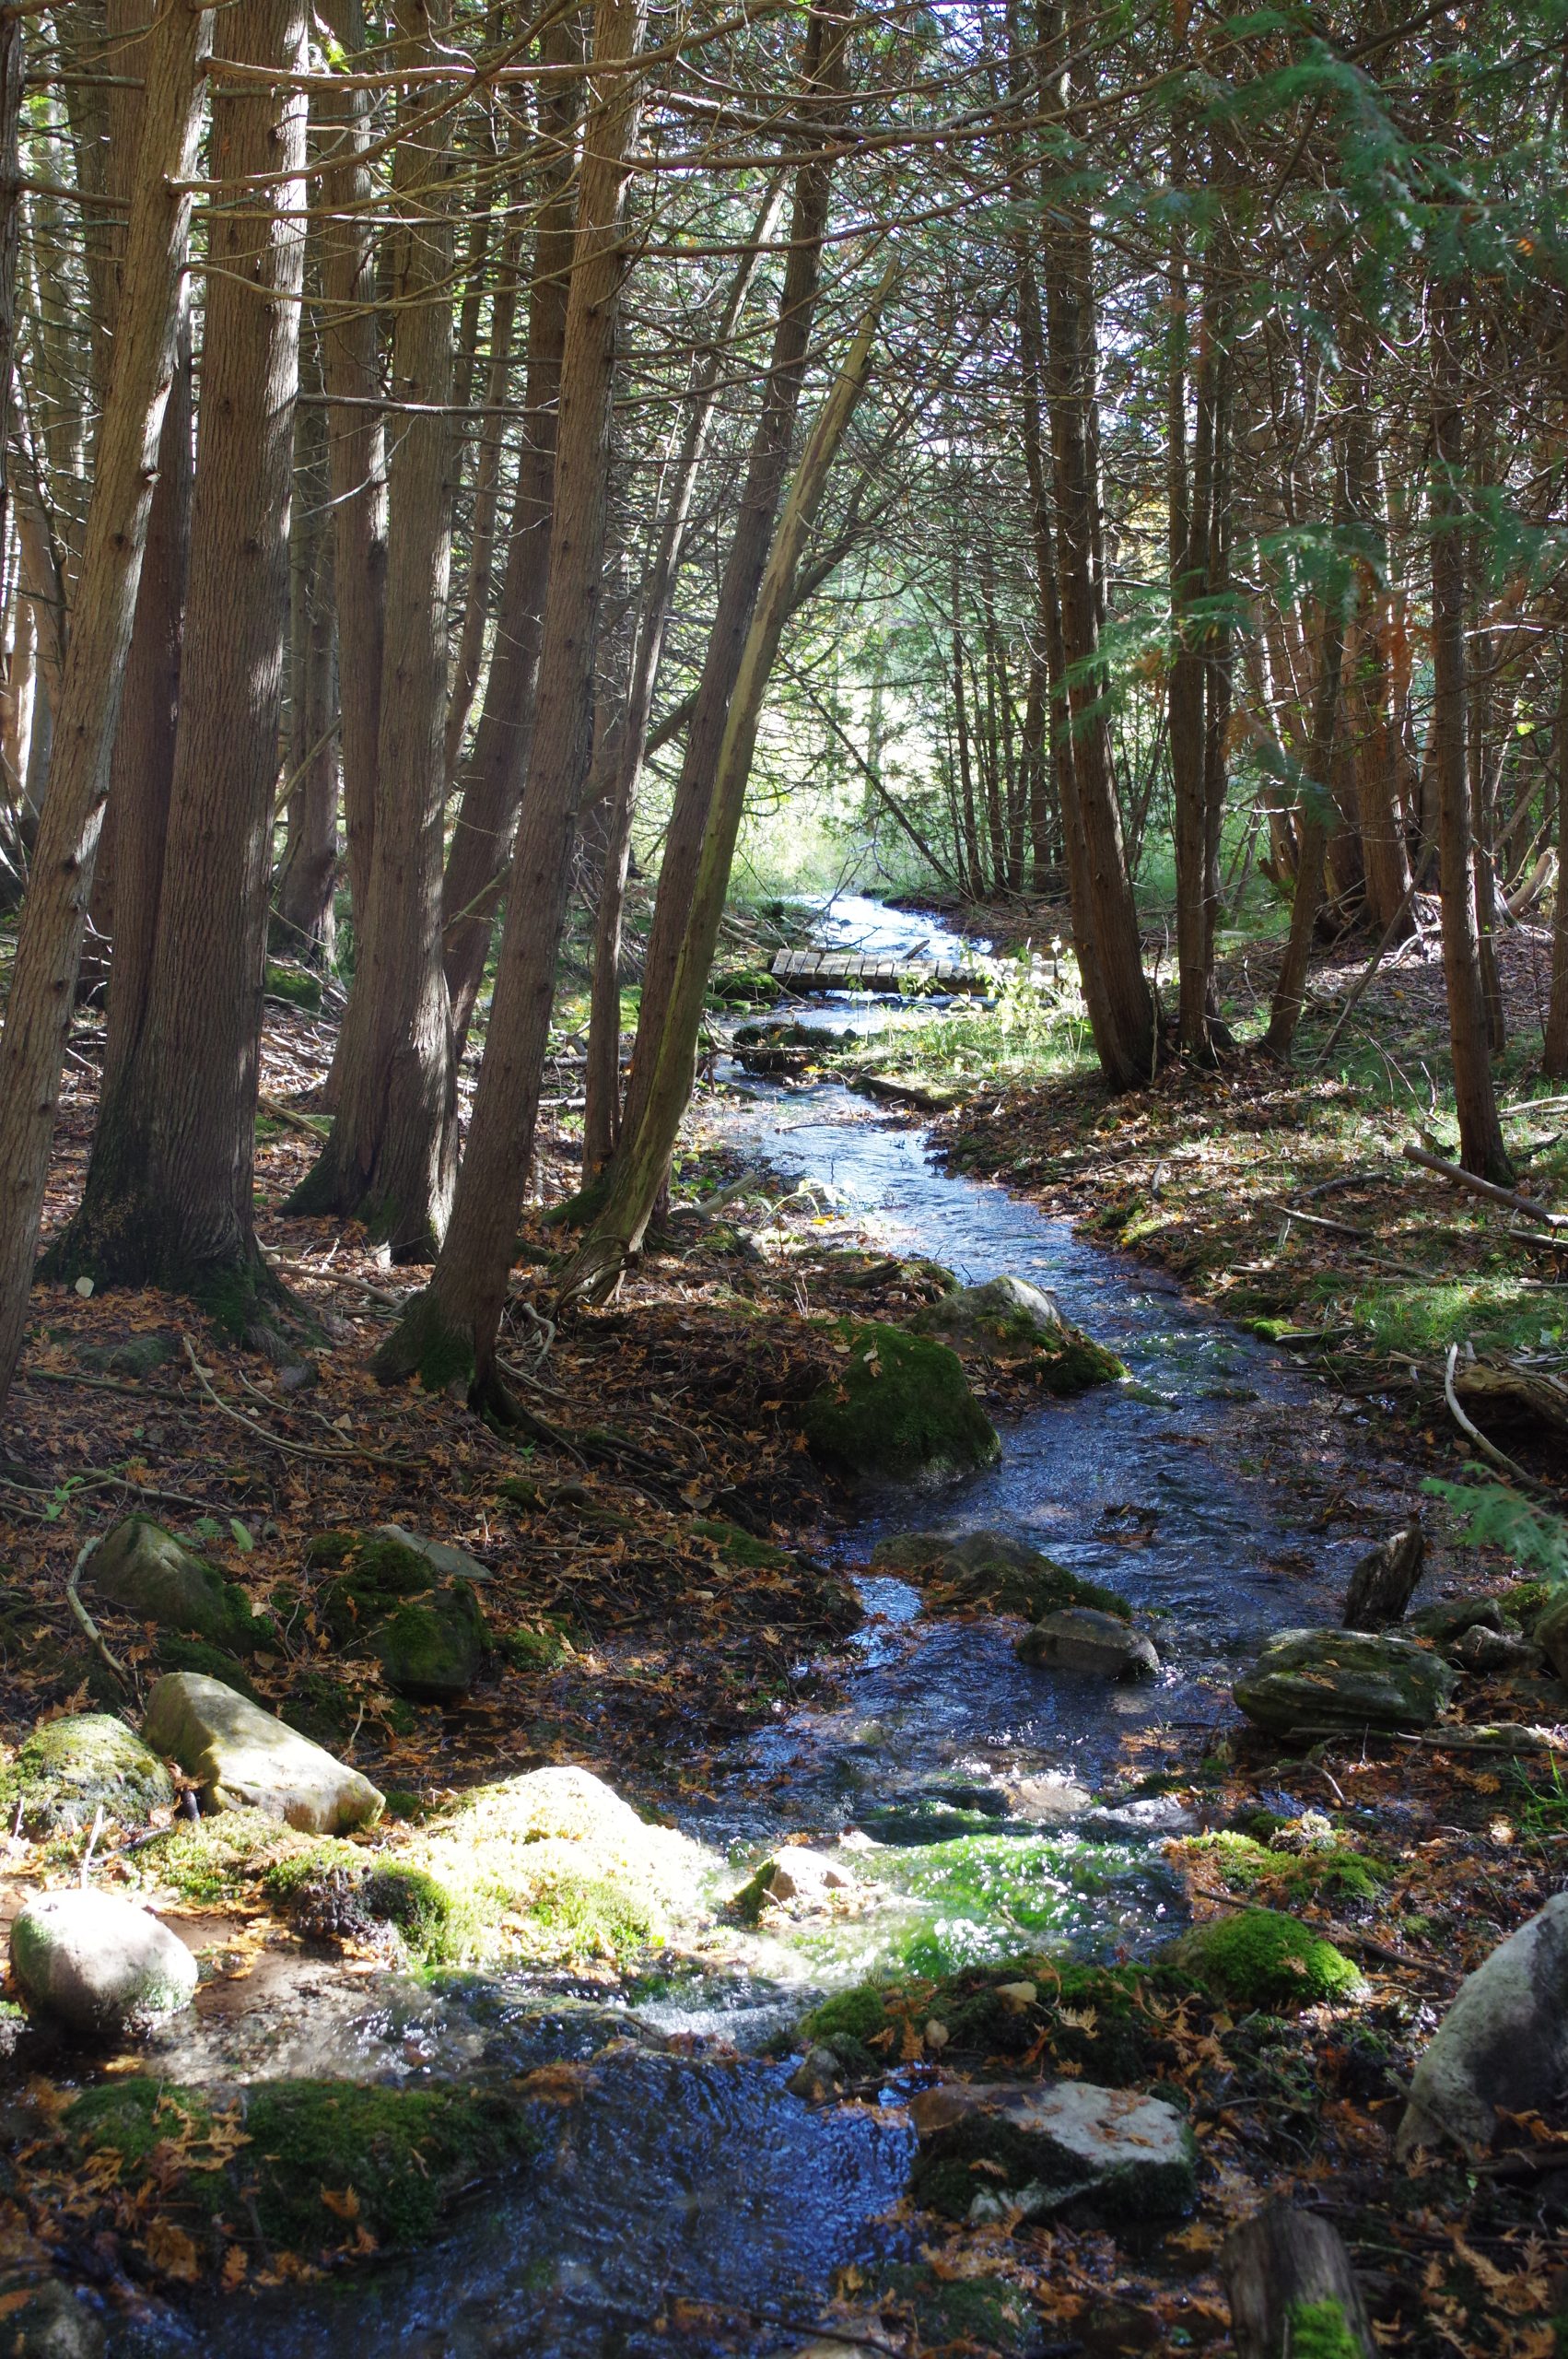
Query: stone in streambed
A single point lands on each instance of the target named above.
(900, 1409)
(993, 1570)
(70, 1768)
(44, 2320)
(391, 1600)
(1502, 2045)
(1487, 1653)
(96, 1962)
(1313, 1680)
(143, 1570)
(1009, 1322)
(1122, 2155)
(1079, 1639)
(797, 1879)
(242, 1758)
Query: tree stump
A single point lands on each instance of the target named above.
(1384, 1582)
(1293, 2290)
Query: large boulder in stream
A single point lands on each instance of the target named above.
(70, 1768)
(991, 1571)
(901, 1409)
(143, 1570)
(1502, 2045)
(396, 1599)
(1310, 1683)
(99, 1964)
(1008, 1321)
(243, 1758)
(1113, 2153)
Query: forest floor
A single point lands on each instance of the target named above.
(661, 1550)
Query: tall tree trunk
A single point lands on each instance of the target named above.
(451, 1327)
(644, 1157)
(626, 741)
(307, 873)
(469, 659)
(1481, 1132)
(1188, 525)
(822, 71)
(1314, 810)
(37, 1009)
(392, 1155)
(1369, 692)
(486, 819)
(351, 373)
(1122, 1008)
(168, 1198)
(1555, 1059)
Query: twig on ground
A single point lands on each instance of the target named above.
(278, 1441)
(93, 1634)
(1499, 1458)
(1460, 1177)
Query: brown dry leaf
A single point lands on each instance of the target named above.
(172, 2252)
(235, 2263)
(341, 2202)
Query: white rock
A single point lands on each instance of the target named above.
(244, 1758)
(1132, 2153)
(1502, 2045)
(807, 1876)
(96, 1962)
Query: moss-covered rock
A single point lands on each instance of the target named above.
(70, 1768)
(213, 1860)
(1009, 1322)
(295, 986)
(318, 2168)
(902, 1409)
(1259, 1958)
(986, 2152)
(992, 1572)
(738, 1547)
(553, 1867)
(1317, 1681)
(967, 2313)
(143, 1569)
(388, 1601)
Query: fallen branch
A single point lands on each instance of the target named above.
(1460, 1177)
(278, 1441)
(94, 1635)
(319, 1129)
(1488, 1450)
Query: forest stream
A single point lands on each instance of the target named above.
(686, 2199)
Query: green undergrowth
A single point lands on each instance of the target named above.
(317, 2168)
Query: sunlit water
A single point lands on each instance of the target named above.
(685, 2201)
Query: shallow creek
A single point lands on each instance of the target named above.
(684, 2201)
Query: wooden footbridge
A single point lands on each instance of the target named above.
(835, 970)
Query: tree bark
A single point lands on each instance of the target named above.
(626, 741)
(1315, 807)
(392, 1158)
(1122, 1002)
(168, 1198)
(39, 1007)
(1481, 1132)
(305, 922)
(487, 819)
(644, 1157)
(1280, 2263)
(1554, 1060)
(451, 1328)
(822, 71)
(351, 374)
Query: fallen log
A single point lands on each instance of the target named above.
(1460, 1177)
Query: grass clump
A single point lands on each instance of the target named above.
(1260, 1958)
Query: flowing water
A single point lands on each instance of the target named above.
(685, 2201)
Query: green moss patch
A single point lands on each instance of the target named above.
(1321, 2330)
(1108, 2024)
(324, 2170)
(211, 1860)
(901, 1408)
(1259, 1958)
(738, 1547)
(1325, 1872)
(962, 2313)
(990, 1571)
(295, 986)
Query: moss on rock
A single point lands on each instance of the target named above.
(1259, 1958)
(902, 1408)
(211, 1860)
(1011, 1322)
(141, 1569)
(70, 1768)
(427, 1633)
(992, 1571)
